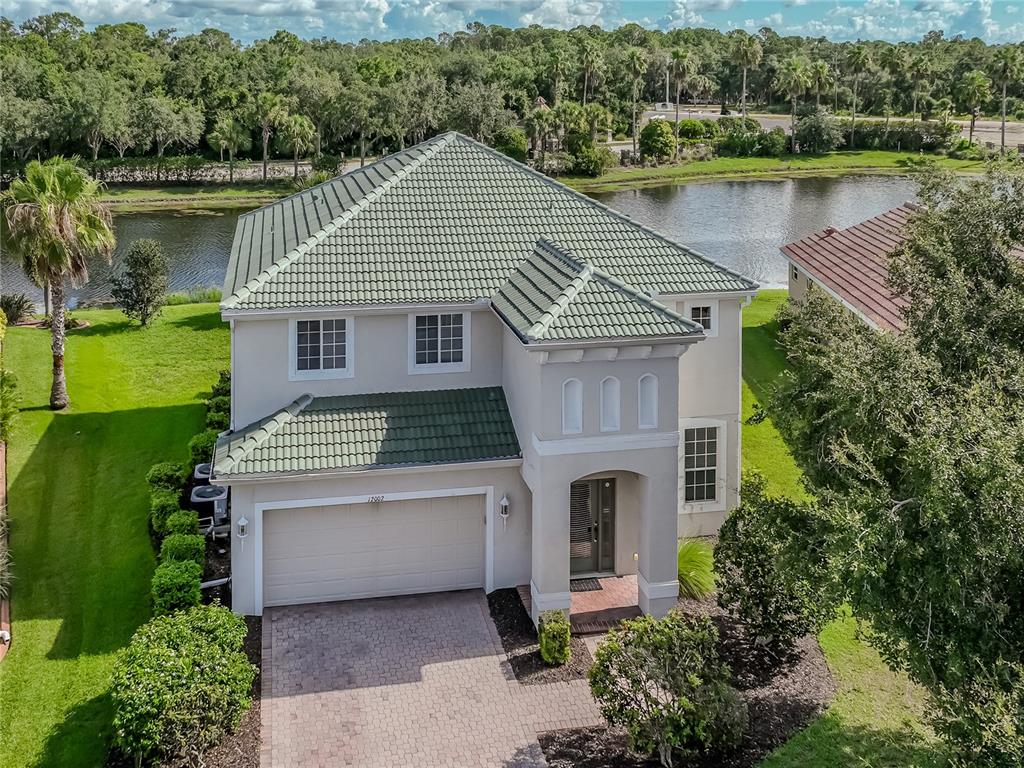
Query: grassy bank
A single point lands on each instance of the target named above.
(78, 504)
(877, 718)
(832, 164)
(125, 198)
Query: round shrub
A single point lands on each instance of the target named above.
(738, 143)
(218, 421)
(162, 504)
(183, 521)
(141, 285)
(663, 682)
(326, 163)
(689, 128)
(223, 386)
(696, 568)
(218, 404)
(176, 586)
(657, 139)
(553, 631)
(711, 127)
(818, 132)
(773, 143)
(771, 573)
(591, 161)
(182, 683)
(168, 475)
(183, 547)
(513, 142)
(200, 447)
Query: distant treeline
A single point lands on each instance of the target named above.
(121, 91)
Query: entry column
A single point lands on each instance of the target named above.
(549, 579)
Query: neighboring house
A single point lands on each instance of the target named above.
(852, 266)
(450, 371)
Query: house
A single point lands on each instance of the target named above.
(852, 266)
(450, 371)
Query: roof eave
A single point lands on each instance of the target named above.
(228, 479)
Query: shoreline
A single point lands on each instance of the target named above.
(136, 199)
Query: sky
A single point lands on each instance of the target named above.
(349, 20)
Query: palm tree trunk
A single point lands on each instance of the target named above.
(634, 122)
(1002, 124)
(743, 98)
(586, 82)
(817, 98)
(974, 116)
(266, 141)
(676, 153)
(853, 119)
(59, 390)
(231, 166)
(362, 149)
(913, 107)
(295, 171)
(792, 128)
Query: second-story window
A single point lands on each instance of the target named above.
(704, 313)
(439, 342)
(702, 316)
(322, 348)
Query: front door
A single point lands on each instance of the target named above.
(592, 527)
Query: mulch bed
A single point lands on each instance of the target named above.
(519, 639)
(783, 696)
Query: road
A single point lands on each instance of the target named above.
(984, 130)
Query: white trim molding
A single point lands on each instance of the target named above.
(640, 422)
(467, 344)
(572, 406)
(721, 468)
(256, 525)
(294, 374)
(712, 304)
(610, 404)
(604, 443)
(659, 589)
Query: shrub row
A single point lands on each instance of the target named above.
(182, 683)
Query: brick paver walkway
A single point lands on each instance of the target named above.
(410, 681)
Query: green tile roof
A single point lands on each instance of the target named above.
(446, 221)
(321, 434)
(554, 297)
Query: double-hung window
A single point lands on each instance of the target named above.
(321, 348)
(439, 342)
(700, 464)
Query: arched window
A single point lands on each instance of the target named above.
(647, 405)
(572, 407)
(610, 404)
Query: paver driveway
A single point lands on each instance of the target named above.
(409, 681)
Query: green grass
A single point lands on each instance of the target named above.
(833, 163)
(876, 719)
(78, 502)
(132, 197)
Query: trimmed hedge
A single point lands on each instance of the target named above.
(176, 586)
(182, 683)
(200, 447)
(168, 475)
(162, 504)
(553, 631)
(184, 521)
(183, 547)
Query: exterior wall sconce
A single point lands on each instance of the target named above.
(503, 507)
(243, 527)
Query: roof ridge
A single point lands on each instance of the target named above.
(335, 224)
(602, 207)
(269, 427)
(567, 294)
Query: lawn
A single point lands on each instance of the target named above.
(83, 557)
(78, 503)
(876, 719)
(833, 163)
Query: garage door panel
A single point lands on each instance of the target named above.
(354, 551)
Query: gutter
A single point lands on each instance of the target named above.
(403, 469)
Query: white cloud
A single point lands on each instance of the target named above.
(565, 14)
(773, 20)
(1011, 9)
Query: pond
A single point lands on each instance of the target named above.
(739, 224)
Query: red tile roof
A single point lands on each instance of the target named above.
(852, 264)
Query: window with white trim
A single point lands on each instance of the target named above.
(572, 407)
(647, 401)
(439, 339)
(700, 464)
(703, 312)
(701, 315)
(321, 348)
(610, 404)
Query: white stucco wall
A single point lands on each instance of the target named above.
(511, 561)
(261, 363)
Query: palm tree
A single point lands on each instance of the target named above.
(1008, 67)
(746, 54)
(793, 79)
(235, 137)
(299, 133)
(568, 118)
(559, 69)
(269, 110)
(56, 224)
(591, 57)
(975, 88)
(684, 67)
(597, 118)
(822, 79)
(858, 59)
(918, 69)
(636, 63)
(539, 124)
(893, 59)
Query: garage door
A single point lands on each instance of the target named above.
(315, 554)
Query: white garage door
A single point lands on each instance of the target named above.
(315, 554)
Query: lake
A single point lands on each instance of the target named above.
(739, 224)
